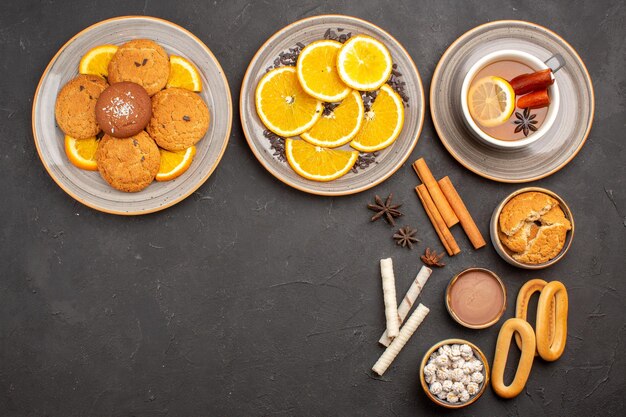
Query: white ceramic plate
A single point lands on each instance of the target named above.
(388, 160)
(87, 186)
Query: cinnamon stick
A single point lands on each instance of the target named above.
(533, 81)
(535, 100)
(470, 228)
(438, 223)
(439, 199)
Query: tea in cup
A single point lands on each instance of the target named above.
(509, 99)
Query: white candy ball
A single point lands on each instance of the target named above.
(466, 351)
(435, 387)
(456, 350)
(472, 388)
(464, 396)
(459, 363)
(444, 350)
(477, 377)
(458, 387)
(447, 385)
(465, 380)
(442, 374)
(469, 368)
(452, 397)
(442, 360)
(456, 374)
(430, 369)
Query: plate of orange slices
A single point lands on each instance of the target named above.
(332, 105)
(71, 162)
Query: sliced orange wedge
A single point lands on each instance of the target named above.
(364, 63)
(339, 125)
(174, 164)
(317, 71)
(317, 163)
(283, 106)
(183, 74)
(382, 124)
(82, 152)
(96, 60)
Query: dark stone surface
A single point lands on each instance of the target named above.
(250, 298)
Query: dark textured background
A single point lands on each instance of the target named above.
(253, 299)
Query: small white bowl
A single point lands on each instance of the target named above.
(510, 55)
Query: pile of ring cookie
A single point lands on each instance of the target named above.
(137, 116)
(547, 340)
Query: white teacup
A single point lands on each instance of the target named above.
(509, 55)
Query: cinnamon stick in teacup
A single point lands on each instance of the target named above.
(438, 223)
(527, 83)
(465, 218)
(439, 199)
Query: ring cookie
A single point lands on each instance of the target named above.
(180, 118)
(75, 107)
(129, 164)
(533, 227)
(143, 62)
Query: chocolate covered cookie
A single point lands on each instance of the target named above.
(123, 109)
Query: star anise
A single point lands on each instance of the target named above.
(405, 236)
(525, 122)
(431, 258)
(386, 209)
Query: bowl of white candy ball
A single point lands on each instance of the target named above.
(454, 373)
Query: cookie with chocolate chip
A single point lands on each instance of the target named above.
(128, 164)
(75, 107)
(180, 118)
(143, 62)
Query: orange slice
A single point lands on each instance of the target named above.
(183, 74)
(96, 60)
(317, 163)
(383, 122)
(174, 164)
(317, 71)
(340, 125)
(364, 63)
(283, 106)
(82, 152)
(491, 101)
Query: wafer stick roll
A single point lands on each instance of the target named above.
(408, 300)
(431, 184)
(442, 230)
(398, 343)
(470, 228)
(389, 296)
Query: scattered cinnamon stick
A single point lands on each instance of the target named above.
(534, 100)
(442, 205)
(465, 218)
(448, 241)
(525, 83)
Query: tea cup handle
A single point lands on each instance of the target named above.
(555, 62)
